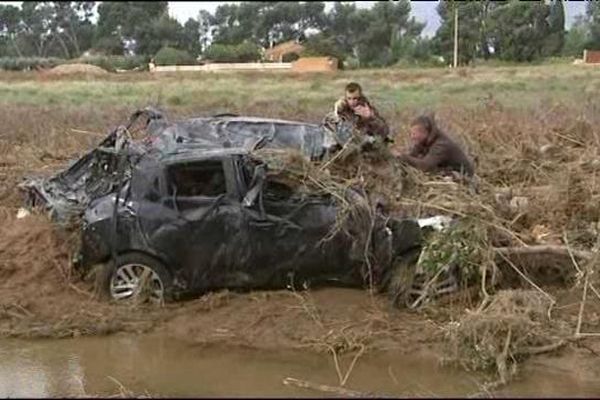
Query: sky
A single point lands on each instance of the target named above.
(423, 11)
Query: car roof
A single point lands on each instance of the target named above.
(251, 119)
(193, 153)
(236, 132)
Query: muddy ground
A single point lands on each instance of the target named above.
(39, 299)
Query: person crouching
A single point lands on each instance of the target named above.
(434, 151)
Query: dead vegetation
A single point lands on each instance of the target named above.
(76, 69)
(514, 324)
(526, 222)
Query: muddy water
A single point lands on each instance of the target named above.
(159, 366)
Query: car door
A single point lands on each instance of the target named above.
(202, 238)
(288, 231)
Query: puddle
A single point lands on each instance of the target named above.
(158, 366)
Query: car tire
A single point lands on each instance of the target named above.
(400, 277)
(120, 281)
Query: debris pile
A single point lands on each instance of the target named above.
(513, 325)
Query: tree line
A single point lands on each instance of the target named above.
(382, 35)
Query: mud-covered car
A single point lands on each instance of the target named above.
(191, 208)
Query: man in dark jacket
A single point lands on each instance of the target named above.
(433, 151)
(354, 106)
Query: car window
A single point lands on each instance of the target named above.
(205, 178)
(278, 191)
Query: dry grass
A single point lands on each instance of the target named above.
(513, 325)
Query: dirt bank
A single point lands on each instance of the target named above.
(39, 298)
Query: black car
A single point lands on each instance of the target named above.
(178, 215)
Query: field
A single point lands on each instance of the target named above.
(533, 131)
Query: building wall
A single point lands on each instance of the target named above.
(591, 57)
(223, 67)
(315, 64)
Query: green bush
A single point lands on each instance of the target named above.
(171, 56)
(243, 52)
(429, 62)
(290, 57)
(323, 46)
(28, 63)
(351, 63)
(109, 63)
(113, 63)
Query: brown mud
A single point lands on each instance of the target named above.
(39, 299)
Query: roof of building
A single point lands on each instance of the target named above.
(283, 48)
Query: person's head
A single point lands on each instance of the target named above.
(422, 128)
(353, 94)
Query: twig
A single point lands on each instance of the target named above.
(367, 247)
(541, 349)
(575, 264)
(486, 296)
(86, 132)
(582, 306)
(593, 334)
(351, 367)
(425, 291)
(391, 374)
(121, 387)
(25, 311)
(503, 357)
(548, 249)
(80, 291)
(325, 388)
(594, 290)
(312, 314)
(335, 157)
(336, 363)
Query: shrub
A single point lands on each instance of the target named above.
(323, 46)
(171, 56)
(429, 62)
(290, 57)
(113, 63)
(109, 63)
(243, 52)
(28, 63)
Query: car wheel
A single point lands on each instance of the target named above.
(139, 278)
(400, 278)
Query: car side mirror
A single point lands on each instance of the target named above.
(255, 186)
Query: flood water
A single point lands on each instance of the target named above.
(162, 367)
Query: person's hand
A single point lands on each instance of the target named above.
(396, 152)
(363, 111)
(402, 157)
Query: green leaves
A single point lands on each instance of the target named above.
(244, 52)
(459, 244)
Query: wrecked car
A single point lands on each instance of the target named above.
(191, 208)
(68, 193)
